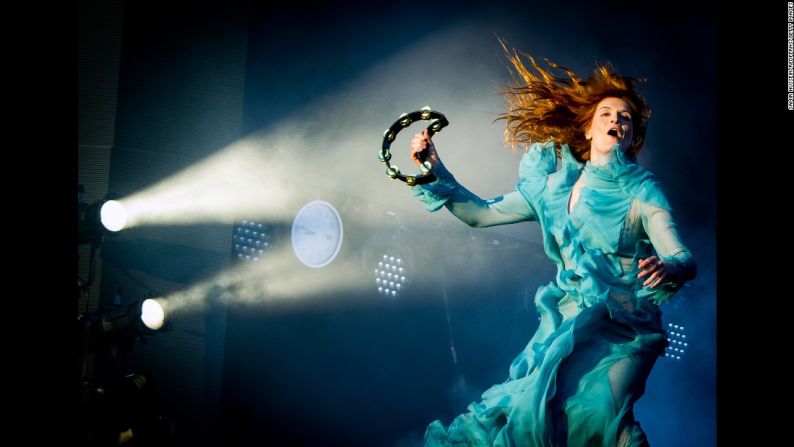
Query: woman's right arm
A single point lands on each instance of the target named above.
(462, 203)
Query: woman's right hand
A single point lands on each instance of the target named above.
(421, 143)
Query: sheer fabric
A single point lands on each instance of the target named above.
(600, 331)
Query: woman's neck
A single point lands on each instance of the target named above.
(598, 158)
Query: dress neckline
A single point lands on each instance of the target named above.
(569, 207)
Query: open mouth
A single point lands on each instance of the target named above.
(613, 132)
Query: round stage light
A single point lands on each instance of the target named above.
(113, 215)
(152, 314)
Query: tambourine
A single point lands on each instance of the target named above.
(437, 122)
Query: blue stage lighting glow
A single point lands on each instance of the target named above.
(390, 275)
(251, 240)
(677, 339)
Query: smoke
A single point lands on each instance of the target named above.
(278, 278)
(328, 149)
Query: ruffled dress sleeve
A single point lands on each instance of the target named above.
(445, 191)
(661, 229)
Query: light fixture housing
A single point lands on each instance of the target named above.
(250, 241)
(101, 218)
(679, 343)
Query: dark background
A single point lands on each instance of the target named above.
(164, 86)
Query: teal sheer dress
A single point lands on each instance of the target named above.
(600, 331)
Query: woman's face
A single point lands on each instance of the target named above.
(611, 125)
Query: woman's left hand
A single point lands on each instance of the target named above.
(655, 269)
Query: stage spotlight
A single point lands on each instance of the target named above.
(251, 240)
(678, 341)
(391, 275)
(113, 215)
(136, 318)
(98, 219)
(153, 314)
(121, 321)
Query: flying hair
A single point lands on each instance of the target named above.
(543, 106)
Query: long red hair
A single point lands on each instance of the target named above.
(543, 107)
